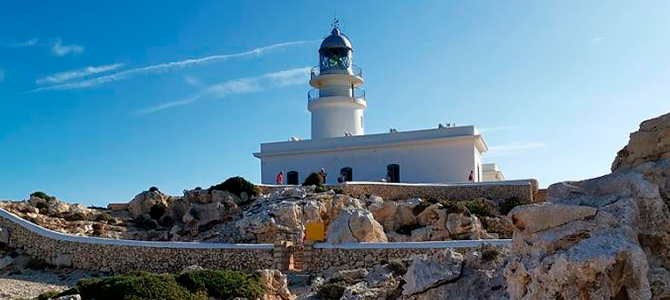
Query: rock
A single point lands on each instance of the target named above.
(604, 238)
(275, 285)
(204, 214)
(63, 260)
(350, 276)
(391, 214)
(355, 226)
(650, 143)
(537, 217)
(5, 261)
(4, 236)
(429, 272)
(191, 268)
(462, 226)
(142, 203)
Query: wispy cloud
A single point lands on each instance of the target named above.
(2, 75)
(238, 86)
(74, 74)
(514, 148)
(191, 80)
(28, 43)
(597, 41)
(58, 49)
(170, 66)
(501, 128)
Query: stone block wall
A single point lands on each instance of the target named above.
(319, 257)
(500, 190)
(121, 256)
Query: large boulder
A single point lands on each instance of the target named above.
(604, 238)
(355, 225)
(144, 201)
(275, 285)
(432, 271)
(650, 143)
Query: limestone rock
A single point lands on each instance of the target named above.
(142, 203)
(275, 285)
(355, 226)
(537, 217)
(460, 225)
(429, 272)
(604, 238)
(650, 143)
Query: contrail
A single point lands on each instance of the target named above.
(165, 67)
(238, 86)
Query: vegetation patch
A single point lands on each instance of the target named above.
(331, 291)
(313, 179)
(481, 207)
(397, 267)
(222, 284)
(455, 207)
(236, 185)
(509, 203)
(490, 254)
(137, 286)
(42, 195)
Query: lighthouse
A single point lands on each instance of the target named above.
(336, 102)
(445, 154)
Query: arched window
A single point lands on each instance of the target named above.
(348, 173)
(393, 173)
(292, 178)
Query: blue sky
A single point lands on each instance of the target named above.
(101, 100)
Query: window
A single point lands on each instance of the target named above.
(348, 173)
(292, 178)
(393, 173)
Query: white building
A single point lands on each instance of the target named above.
(339, 144)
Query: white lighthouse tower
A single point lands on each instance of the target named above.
(336, 102)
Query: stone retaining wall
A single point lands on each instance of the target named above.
(319, 257)
(121, 256)
(499, 190)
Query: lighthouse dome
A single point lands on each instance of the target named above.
(336, 39)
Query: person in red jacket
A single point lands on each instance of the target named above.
(280, 178)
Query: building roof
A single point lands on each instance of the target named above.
(378, 140)
(336, 39)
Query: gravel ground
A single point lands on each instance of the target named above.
(29, 284)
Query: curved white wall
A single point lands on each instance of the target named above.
(333, 116)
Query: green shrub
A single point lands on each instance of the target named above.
(236, 185)
(137, 286)
(416, 210)
(509, 204)
(313, 179)
(490, 254)
(222, 284)
(397, 267)
(331, 291)
(320, 189)
(41, 195)
(157, 211)
(455, 207)
(481, 207)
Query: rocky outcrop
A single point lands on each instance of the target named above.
(427, 273)
(275, 285)
(144, 201)
(604, 238)
(355, 226)
(650, 143)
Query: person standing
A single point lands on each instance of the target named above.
(280, 178)
(471, 178)
(323, 175)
